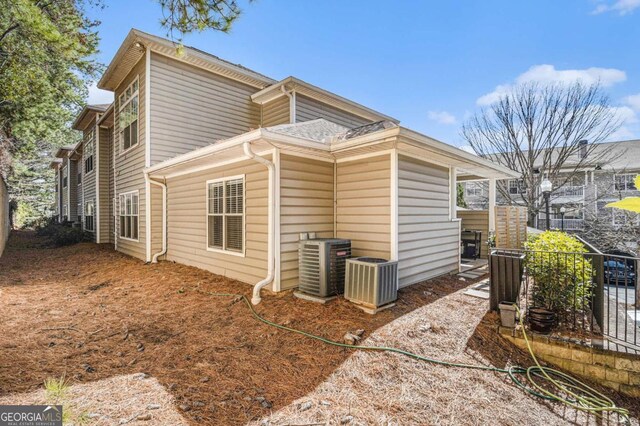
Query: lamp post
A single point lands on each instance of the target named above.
(563, 210)
(546, 186)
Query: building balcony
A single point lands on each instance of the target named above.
(569, 224)
(569, 191)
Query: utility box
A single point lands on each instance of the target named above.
(321, 266)
(371, 282)
(506, 269)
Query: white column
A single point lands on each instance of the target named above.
(453, 193)
(492, 205)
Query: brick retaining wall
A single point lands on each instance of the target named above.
(616, 370)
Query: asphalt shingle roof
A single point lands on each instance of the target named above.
(319, 130)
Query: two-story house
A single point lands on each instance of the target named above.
(210, 164)
(576, 196)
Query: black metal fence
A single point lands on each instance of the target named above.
(592, 296)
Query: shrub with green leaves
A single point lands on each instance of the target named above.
(562, 275)
(61, 234)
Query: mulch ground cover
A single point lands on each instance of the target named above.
(89, 313)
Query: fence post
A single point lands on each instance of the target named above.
(598, 297)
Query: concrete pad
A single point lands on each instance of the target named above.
(312, 298)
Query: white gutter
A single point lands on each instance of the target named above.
(271, 223)
(164, 220)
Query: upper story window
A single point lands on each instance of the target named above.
(128, 116)
(516, 186)
(625, 182)
(65, 176)
(79, 176)
(225, 214)
(89, 151)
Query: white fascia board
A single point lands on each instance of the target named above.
(207, 150)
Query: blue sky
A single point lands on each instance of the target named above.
(428, 64)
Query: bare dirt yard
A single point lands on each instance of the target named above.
(100, 318)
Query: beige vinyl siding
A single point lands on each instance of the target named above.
(106, 192)
(363, 205)
(89, 179)
(131, 163)
(73, 190)
(192, 108)
(306, 205)
(111, 180)
(276, 112)
(310, 109)
(477, 220)
(156, 219)
(427, 239)
(187, 222)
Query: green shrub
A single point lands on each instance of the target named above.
(61, 234)
(562, 275)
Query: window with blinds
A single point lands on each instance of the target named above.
(225, 214)
(89, 208)
(128, 223)
(89, 150)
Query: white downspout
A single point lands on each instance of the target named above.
(164, 220)
(271, 223)
(292, 104)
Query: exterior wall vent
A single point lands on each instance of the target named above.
(321, 265)
(371, 282)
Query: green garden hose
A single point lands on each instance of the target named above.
(582, 397)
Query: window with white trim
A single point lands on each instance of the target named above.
(65, 177)
(225, 214)
(625, 182)
(474, 189)
(79, 211)
(128, 116)
(89, 211)
(64, 212)
(128, 215)
(516, 186)
(89, 150)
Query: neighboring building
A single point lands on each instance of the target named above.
(583, 195)
(210, 164)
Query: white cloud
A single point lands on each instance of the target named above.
(99, 96)
(548, 74)
(625, 114)
(622, 7)
(633, 101)
(442, 117)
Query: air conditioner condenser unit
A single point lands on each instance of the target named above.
(321, 266)
(371, 282)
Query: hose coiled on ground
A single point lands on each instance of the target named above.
(580, 396)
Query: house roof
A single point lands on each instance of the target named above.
(621, 155)
(63, 151)
(55, 163)
(87, 114)
(137, 42)
(107, 118)
(293, 84)
(319, 130)
(325, 139)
